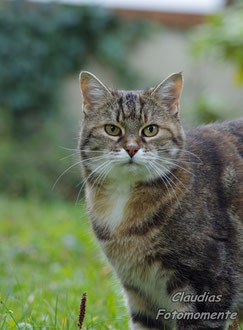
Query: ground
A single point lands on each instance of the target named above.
(48, 258)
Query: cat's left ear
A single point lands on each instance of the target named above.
(93, 90)
(169, 91)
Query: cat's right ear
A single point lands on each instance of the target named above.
(93, 91)
(168, 92)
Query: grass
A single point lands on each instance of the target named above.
(48, 258)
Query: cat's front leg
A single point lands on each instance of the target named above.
(144, 322)
(183, 325)
(142, 317)
(139, 326)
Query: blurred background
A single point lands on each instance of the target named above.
(129, 44)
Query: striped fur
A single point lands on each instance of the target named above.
(170, 218)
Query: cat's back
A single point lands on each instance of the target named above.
(217, 157)
(214, 138)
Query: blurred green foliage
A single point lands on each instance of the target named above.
(208, 109)
(222, 37)
(32, 166)
(40, 45)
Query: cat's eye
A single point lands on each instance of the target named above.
(150, 130)
(112, 130)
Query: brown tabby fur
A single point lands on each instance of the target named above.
(179, 229)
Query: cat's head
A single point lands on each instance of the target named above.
(133, 135)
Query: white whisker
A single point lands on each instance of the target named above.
(89, 176)
(84, 150)
(100, 175)
(161, 177)
(73, 165)
(69, 168)
(171, 163)
(93, 151)
(168, 180)
(148, 169)
(68, 156)
(174, 177)
(183, 151)
(108, 168)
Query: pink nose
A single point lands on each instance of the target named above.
(131, 150)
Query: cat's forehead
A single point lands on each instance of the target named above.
(129, 105)
(134, 107)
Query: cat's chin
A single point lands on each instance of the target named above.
(128, 168)
(131, 166)
(130, 173)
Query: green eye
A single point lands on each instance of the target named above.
(150, 130)
(112, 130)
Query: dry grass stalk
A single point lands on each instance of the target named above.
(82, 310)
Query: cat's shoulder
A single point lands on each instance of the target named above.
(218, 144)
(216, 133)
(226, 126)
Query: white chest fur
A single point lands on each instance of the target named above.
(116, 197)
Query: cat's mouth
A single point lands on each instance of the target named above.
(131, 164)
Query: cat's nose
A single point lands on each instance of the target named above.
(131, 150)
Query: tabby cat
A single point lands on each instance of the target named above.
(165, 205)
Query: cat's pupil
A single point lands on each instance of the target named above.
(151, 128)
(112, 128)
